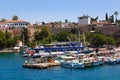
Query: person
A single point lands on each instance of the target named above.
(97, 50)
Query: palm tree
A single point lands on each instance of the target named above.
(116, 14)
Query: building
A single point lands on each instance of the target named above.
(84, 20)
(64, 25)
(13, 23)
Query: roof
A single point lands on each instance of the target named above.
(101, 23)
(13, 21)
(2, 22)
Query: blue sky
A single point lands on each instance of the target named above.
(57, 10)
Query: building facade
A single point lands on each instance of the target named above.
(13, 23)
(84, 20)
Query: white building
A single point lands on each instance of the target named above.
(84, 20)
(64, 25)
(13, 23)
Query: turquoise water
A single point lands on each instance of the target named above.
(11, 69)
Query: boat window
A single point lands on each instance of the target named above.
(36, 51)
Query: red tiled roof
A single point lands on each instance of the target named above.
(101, 23)
(2, 22)
(12, 21)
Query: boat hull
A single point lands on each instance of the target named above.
(72, 65)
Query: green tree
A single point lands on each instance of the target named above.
(16, 38)
(7, 37)
(2, 40)
(32, 44)
(106, 16)
(43, 33)
(66, 21)
(10, 43)
(94, 19)
(15, 17)
(8, 34)
(96, 39)
(118, 21)
(72, 37)
(61, 36)
(110, 41)
(36, 35)
(24, 36)
(118, 42)
(3, 20)
(111, 18)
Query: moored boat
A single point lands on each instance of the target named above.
(72, 64)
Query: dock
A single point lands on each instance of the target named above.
(7, 51)
(41, 65)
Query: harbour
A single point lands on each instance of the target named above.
(17, 72)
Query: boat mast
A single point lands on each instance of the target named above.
(84, 39)
(79, 34)
(23, 39)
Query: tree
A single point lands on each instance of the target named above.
(66, 21)
(15, 38)
(15, 17)
(72, 37)
(94, 19)
(43, 33)
(2, 40)
(24, 35)
(61, 36)
(43, 23)
(118, 42)
(10, 42)
(118, 21)
(106, 17)
(111, 18)
(110, 41)
(7, 34)
(96, 39)
(116, 14)
(3, 20)
(36, 35)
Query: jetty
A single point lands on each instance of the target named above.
(41, 65)
(6, 51)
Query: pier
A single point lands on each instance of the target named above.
(41, 65)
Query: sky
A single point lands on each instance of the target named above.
(57, 10)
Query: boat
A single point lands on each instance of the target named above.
(72, 64)
(70, 61)
(111, 61)
(23, 50)
(94, 58)
(58, 48)
(87, 62)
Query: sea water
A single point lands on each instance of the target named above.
(11, 69)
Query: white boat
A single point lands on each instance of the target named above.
(110, 60)
(72, 64)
